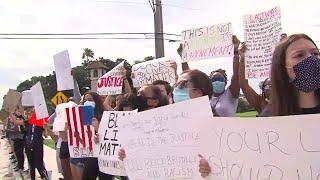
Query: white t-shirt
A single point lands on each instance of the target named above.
(59, 143)
(225, 105)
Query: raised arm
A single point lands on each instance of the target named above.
(127, 87)
(185, 66)
(234, 86)
(252, 97)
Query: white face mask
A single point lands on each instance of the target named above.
(90, 103)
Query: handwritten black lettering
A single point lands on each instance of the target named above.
(275, 135)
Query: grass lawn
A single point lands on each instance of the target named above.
(49, 142)
(247, 114)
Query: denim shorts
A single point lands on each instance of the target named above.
(78, 162)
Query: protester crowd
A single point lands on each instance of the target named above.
(292, 89)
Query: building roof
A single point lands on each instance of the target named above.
(97, 65)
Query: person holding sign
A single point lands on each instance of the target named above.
(295, 77)
(35, 146)
(91, 168)
(224, 102)
(192, 84)
(259, 102)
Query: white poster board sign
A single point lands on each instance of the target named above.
(62, 67)
(207, 42)
(147, 72)
(263, 148)
(26, 99)
(164, 143)
(261, 34)
(111, 82)
(109, 143)
(39, 101)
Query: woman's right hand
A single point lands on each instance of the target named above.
(242, 50)
(122, 154)
(204, 167)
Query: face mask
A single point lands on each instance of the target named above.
(90, 103)
(218, 87)
(307, 74)
(180, 95)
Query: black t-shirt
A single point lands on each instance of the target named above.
(314, 110)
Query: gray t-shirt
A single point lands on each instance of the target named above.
(225, 105)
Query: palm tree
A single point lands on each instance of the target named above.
(88, 53)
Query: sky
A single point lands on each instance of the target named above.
(22, 59)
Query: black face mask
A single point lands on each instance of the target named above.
(142, 103)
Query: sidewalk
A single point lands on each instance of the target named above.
(6, 167)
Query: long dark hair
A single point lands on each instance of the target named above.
(201, 81)
(98, 110)
(284, 95)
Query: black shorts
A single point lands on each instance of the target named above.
(64, 150)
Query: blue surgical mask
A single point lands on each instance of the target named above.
(90, 103)
(218, 87)
(180, 95)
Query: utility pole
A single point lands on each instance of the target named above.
(158, 27)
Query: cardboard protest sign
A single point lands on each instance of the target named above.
(109, 145)
(12, 100)
(147, 72)
(26, 99)
(111, 82)
(207, 42)
(39, 101)
(62, 67)
(261, 34)
(80, 131)
(263, 148)
(164, 143)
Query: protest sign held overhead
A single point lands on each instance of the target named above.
(207, 42)
(80, 131)
(261, 34)
(262, 148)
(26, 98)
(109, 145)
(164, 143)
(147, 72)
(111, 82)
(62, 67)
(39, 101)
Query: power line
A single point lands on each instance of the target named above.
(79, 34)
(187, 8)
(75, 38)
(123, 2)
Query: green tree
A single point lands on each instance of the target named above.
(147, 58)
(86, 55)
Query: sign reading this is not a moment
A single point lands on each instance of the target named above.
(207, 42)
